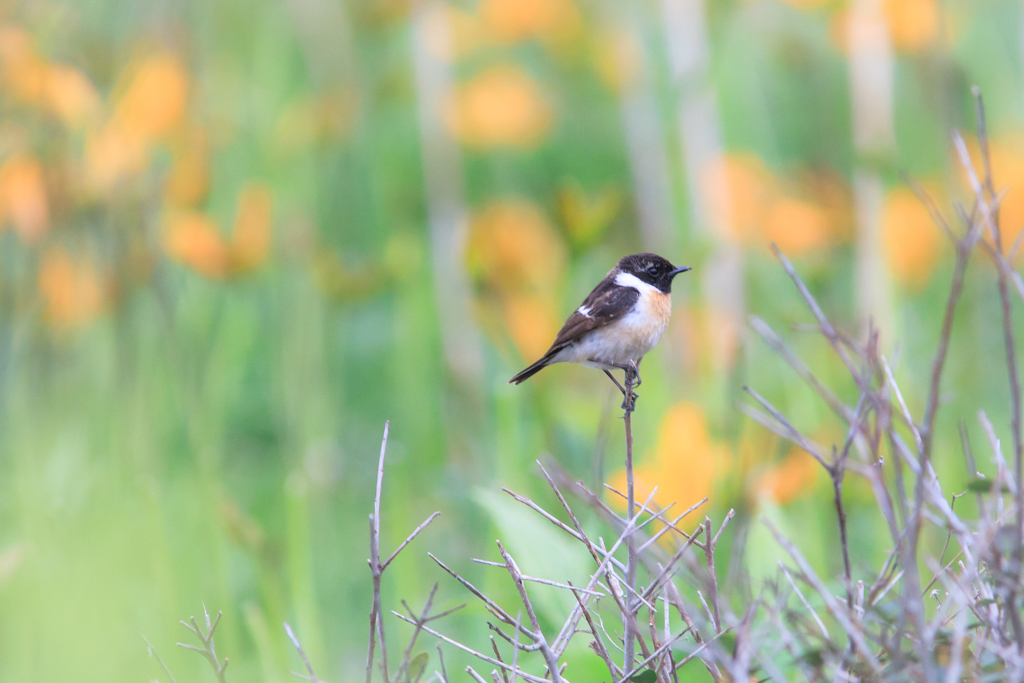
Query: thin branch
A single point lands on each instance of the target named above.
(208, 650)
(376, 623)
(302, 653)
(416, 532)
(153, 653)
(517, 578)
(466, 648)
(852, 630)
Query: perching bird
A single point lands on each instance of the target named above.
(620, 321)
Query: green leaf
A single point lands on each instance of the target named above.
(417, 665)
(649, 676)
(979, 485)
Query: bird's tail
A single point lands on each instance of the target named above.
(532, 370)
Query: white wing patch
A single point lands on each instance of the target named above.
(584, 311)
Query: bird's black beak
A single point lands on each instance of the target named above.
(680, 269)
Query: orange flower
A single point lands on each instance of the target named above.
(151, 108)
(24, 71)
(912, 241)
(516, 256)
(512, 246)
(797, 226)
(913, 25)
(34, 81)
(70, 95)
(72, 292)
(250, 241)
(154, 102)
(792, 478)
(111, 154)
(23, 197)
(740, 190)
(1007, 159)
(686, 461)
(193, 240)
(755, 208)
(500, 107)
(532, 322)
(510, 21)
(189, 180)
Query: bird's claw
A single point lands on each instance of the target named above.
(629, 401)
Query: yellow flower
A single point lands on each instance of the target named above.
(500, 107)
(72, 292)
(806, 4)
(587, 217)
(23, 200)
(686, 462)
(912, 240)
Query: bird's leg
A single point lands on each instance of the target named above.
(634, 367)
(612, 378)
(628, 370)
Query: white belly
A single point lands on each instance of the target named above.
(627, 339)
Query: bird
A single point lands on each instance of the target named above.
(618, 323)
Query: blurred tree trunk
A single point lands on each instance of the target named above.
(446, 211)
(701, 137)
(645, 142)
(874, 140)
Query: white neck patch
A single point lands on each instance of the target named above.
(630, 280)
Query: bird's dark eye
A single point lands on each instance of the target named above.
(652, 269)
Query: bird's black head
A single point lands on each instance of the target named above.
(652, 269)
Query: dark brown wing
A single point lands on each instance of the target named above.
(607, 303)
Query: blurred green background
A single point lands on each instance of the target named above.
(240, 234)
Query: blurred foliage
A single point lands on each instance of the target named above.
(218, 277)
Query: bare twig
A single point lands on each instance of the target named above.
(517, 578)
(376, 623)
(377, 568)
(153, 653)
(852, 630)
(302, 653)
(208, 649)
